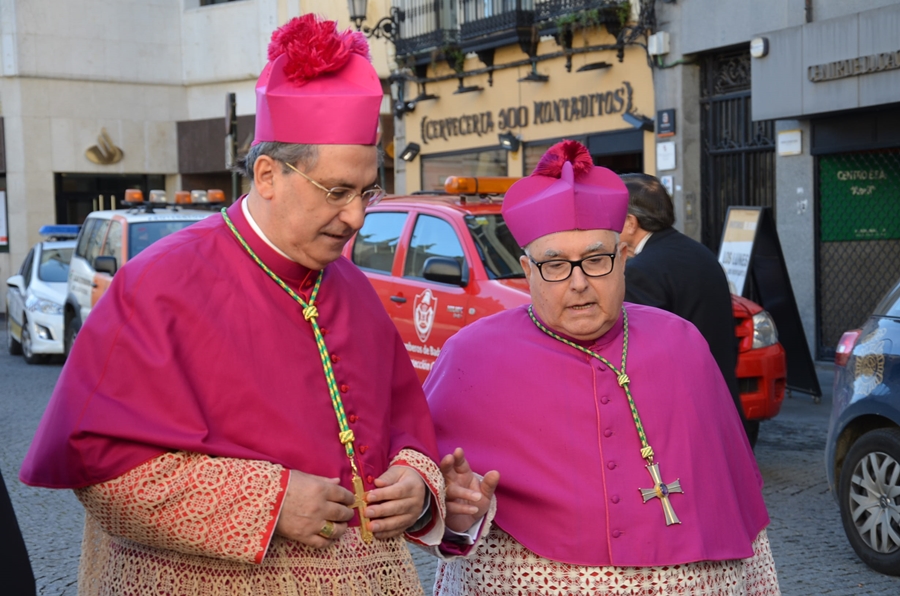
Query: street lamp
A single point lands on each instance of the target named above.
(387, 27)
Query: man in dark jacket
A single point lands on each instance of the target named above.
(15, 568)
(669, 270)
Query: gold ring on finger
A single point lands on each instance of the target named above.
(327, 530)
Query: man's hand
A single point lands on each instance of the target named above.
(396, 503)
(468, 498)
(310, 502)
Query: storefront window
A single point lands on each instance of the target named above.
(437, 168)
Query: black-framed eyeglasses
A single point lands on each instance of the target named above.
(341, 195)
(561, 269)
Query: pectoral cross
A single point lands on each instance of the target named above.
(661, 491)
(359, 503)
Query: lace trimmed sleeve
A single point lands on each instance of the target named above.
(194, 504)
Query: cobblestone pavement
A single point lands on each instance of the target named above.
(812, 554)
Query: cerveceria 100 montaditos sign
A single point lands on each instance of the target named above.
(566, 109)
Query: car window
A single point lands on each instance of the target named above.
(54, 265)
(432, 237)
(497, 248)
(26, 268)
(143, 234)
(87, 232)
(890, 304)
(113, 245)
(94, 242)
(376, 243)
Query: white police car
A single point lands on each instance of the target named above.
(36, 294)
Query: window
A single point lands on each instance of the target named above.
(113, 245)
(143, 234)
(25, 271)
(432, 237)
(55, 264)
(94, 242)
(376, 243)
(497, 248)
(86, 233)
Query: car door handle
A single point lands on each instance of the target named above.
(398, 299)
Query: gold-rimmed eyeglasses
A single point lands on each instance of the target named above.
(341, 195)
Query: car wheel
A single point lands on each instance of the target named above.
(751, 427)
(870, 499)
(71, 331)
(14, 347)
(28, 347)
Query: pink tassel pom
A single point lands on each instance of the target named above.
(314, 46)
(572, 151)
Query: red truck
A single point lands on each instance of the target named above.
(440, 261)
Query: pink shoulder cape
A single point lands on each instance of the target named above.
(557, 426)
(194, 348)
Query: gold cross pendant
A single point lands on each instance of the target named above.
(661, 491)
(359, 503)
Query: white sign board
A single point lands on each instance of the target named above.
(790, 142)
(665, 156)
(4, 229)
(737, 246)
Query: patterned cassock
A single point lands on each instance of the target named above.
(194, 388)
(572, 517)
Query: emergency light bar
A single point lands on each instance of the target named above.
(480, 185)
(62, 231)
(135, 197)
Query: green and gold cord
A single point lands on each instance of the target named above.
(622, 378)
(310, 313)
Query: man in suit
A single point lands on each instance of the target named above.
(15, 568)
(671, 271)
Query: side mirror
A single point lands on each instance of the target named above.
(445, 270)
(106, 265)
(17, 282)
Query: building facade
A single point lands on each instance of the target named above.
(484, 88)
(791, 106)
(97, 96)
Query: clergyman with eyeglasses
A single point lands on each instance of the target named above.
(239, 415)
(625, 469)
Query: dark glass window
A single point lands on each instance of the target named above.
(26, 267)
(86, 232)
(497, 248)
(95, 241)
(143, 234)
(376, 243)
(432, 237)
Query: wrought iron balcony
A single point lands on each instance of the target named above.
(486, 24)
(553, 10)
(427, 25)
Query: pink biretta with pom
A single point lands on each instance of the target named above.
(565, 192)
(319, 87)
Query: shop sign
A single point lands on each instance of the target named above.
(852, 67)
(566, 109)
(860, 197)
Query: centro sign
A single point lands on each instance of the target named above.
(566, 109)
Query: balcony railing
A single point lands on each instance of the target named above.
(551, 10)
(427, 25)
(493, 23)
(480, 24)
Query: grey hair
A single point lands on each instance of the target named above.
(649, 202)
(528, 252)
(304, 156)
